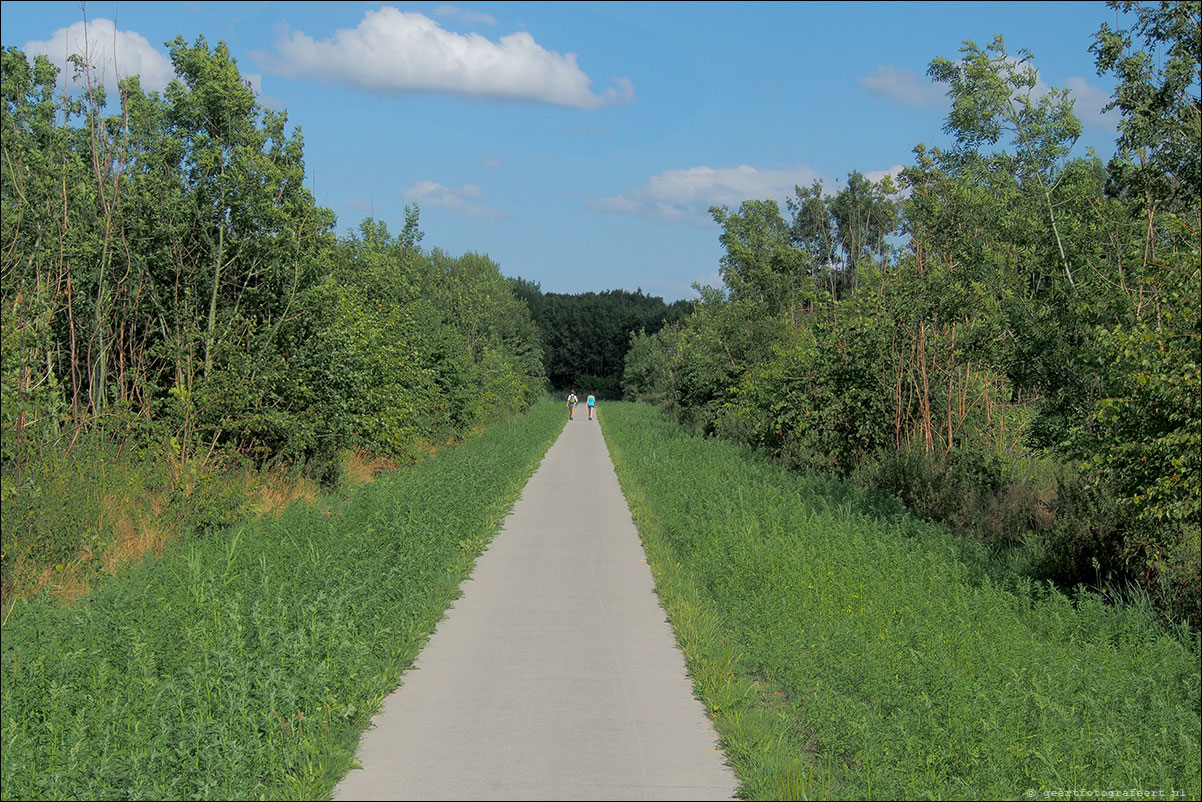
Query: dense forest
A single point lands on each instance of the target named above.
(585, 336)
(173, 294)
(1007, 335)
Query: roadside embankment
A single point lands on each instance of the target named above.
(244, 665)
(847, 649)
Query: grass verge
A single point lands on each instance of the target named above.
(246, 664)
(846, 649)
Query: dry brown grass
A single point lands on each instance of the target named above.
(66, 582)
(136, 533)
(272, 493)
(137, 530)
(425, 450)
(362, 466)
(135, 527)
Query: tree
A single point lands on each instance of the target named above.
(994, 94)
(586, 337)
(246, 189)
(1141, 440)
(812, 228)
(761, 263)
(1159, 156)
(865, 217)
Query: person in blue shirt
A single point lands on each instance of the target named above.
(592, 402)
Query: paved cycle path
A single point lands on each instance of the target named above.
(556, 674)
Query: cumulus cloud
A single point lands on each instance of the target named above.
(394, 52)
(893, 172)
(1088, 102)
(904, 87)
(461, 202)
(470, 17)
(686, 195)
(111, 53)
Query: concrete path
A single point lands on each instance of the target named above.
(556, 675)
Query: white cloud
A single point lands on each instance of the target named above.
(686, 195)
(111, 53)
(1088, 102)
(393, 52)
(254, 81)
(460, 202)
(877, 175)
(677, 290)
(470, 17)
(904, 87)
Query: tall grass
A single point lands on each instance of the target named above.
(244, 665)
(854, 651)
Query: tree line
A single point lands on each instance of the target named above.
(1007, 335)
(585, 336)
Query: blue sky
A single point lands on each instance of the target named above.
(580, 144)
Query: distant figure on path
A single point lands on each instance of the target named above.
(571, 405)
(592, 402)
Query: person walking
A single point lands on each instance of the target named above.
(592, 402)
(572, 400)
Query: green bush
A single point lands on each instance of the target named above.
(1142, 444)
(813, 402)
(977, 496)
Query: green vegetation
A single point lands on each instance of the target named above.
(246, 664)
(847, 649)
(176, 306)
(585, 337)
(1005, 335)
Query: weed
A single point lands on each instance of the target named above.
(882, 658)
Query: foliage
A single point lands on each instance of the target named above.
(865, 216)
(1143, 441)
(1156, 64)
(1026, 367)
(808, 409)
(168, 278)
(812, 228)
(585, 337)
(761, 264)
